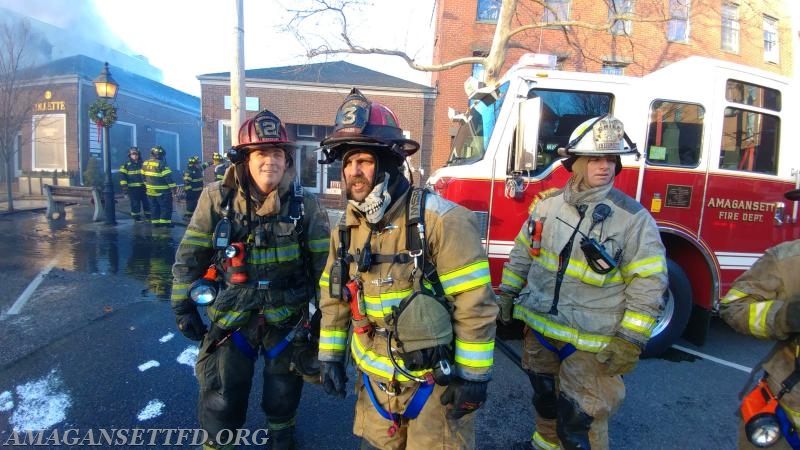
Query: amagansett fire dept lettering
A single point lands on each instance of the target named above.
(740, 210)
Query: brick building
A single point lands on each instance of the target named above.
(60, 138)
(306, 98)
(751, 32)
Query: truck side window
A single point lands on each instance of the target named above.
(749, 141)
(675, 134)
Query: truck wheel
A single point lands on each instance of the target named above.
(677, 308)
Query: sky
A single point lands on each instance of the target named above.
(187, 38)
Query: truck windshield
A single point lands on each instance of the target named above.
(469, 144)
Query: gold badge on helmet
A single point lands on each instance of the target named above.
(608, 133)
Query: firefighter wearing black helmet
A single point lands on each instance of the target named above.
(160, 187)
(423, 356)
(261, 241)
(193, 183)
(132, 182)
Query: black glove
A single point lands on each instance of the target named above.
(465, 396)
(788, 320)
(189, 321)
(333, 378)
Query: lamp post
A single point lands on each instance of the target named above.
(105, 116)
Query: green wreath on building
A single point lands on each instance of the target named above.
(102, 113)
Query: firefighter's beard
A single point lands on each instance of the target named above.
(376, 202)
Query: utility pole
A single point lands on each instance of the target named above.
(238, 93)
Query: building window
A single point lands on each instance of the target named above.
(305, 130)
(730, 27)
(224, 137)
(250, 103)
(49, 142)
(121, 137)
(171, 143)
(618, 8)
(613, 68)
(488, 10)
(771, 49)
(556, 10)
(678, 24)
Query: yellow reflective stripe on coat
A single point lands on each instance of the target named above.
(513, 280)
(324, 279)
(377, 365)
(197, 239)
(579, 270)
(279, 314)
(644, 268)
(757, 318)
(466, 278)
(582, 341)
(541, 443)
(733, 295)
(380, 306)
(228, 319)
(180, 291)
(523, 239)
(318, 245)
(640, 323)
(332, 340)
(287, 253)
(474, 355)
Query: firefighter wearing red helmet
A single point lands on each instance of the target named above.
(406, 272)
(160, 187)
(586, 275)
(254, 248)
(132, 182)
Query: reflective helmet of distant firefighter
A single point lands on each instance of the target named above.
(598, 136)
(193, 160)
(263, 130)
(158, 152)
(365, 124)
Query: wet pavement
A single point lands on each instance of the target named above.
(86, 321)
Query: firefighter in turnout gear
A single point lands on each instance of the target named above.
(193, 184)
(132, 182)
(407, 278)
(258, 242)
(220, 166)
(764, 302)
(586, 275)
(160, 187)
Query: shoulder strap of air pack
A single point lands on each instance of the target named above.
(416, 242)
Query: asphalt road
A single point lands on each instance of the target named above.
(93, 345)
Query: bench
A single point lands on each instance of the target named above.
(59, 196)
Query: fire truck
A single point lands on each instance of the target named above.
(714, 164)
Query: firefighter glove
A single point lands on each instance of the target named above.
(464, 396)
(333, 378)
(189, 321)
(789, 317)
(505, 300)
(619, 356)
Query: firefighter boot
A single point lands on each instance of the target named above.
(282, 439)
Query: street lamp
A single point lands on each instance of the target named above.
(104, 116)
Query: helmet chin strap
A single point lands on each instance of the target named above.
(376, 203)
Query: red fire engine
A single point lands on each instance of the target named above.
(714, 166)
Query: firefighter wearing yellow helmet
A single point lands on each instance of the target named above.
(255, 246)
(423, 355)
(132, 182)
(220, 166)
(193, 184)
(160, 187)
(586, 275)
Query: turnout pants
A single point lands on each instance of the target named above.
(191, 202)
(161, 208)
(580, 381)
(139, 203)
(225, 379)
(431, 430)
